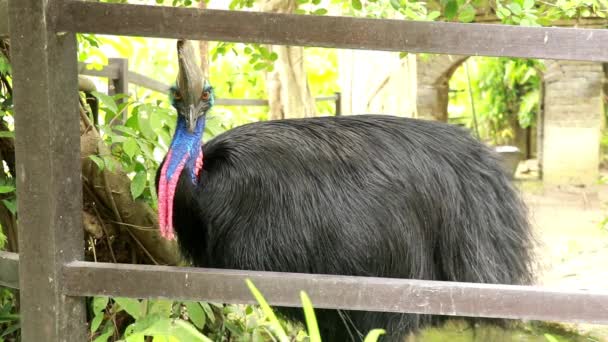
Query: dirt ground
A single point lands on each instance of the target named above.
(573, 249)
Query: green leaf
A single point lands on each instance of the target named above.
(11, 205)
(320, 11)
(503, 12)
(356, 4)
(433, 15)
(5, 189)
(528, 4)
(126, 130)
(131, 306)
(98, 161)
(130, 147)
(550, 338)
(167, 327)
(515, 8)
(138, 184)
(374, 335)
(311, 319)
(208, 311)
(159, 306)
(106, 101)
(275, 324)
(100, 304)
(108, 332)
(451, 8)
(396, 4)
(467, 14)
(96, 322)
(260, 66)
(7, 134)
(196, 314)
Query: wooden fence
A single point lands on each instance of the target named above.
(50, 271)
(119, 76)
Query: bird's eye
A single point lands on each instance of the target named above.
(177, 95)
(205, 95)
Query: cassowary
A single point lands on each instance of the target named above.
(366, 195)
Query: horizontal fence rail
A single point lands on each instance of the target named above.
(112, 72)
(340, 292)
(9, 269)
(335, 32)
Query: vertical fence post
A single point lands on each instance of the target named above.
(338, 103)
(120, 85)
(49, 188)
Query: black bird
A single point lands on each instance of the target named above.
(367, 195)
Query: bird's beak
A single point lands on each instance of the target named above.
(191, 119)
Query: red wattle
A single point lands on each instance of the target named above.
(199, 164)
(166, 193)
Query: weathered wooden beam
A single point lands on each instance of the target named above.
(3, 18)
(49, 188)
(9, 269)
(342, 292)
(335, 32)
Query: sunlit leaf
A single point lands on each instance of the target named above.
(4, 189)
(107, 101)
(108, 332)
(451, 8)
(550, 338)
(98, 161)
(132, 306)
(467, 14)
(196, 314)
(11, 205)
(138, 184)
(274, 321)
(311, 320)
(130, 147)
(374, 335)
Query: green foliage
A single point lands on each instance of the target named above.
(9, 318)
(186, 321)
(505, 91)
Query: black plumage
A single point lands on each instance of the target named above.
(365, 195)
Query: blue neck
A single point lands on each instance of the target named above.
(185, 143)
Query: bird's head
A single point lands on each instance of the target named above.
(192, 97)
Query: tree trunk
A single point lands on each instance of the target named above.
(118, 216)
(287, 85)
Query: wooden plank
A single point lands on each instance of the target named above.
(326, 98)
(3, 18)
(241, 102)
(49, 188)
(343, 292)
(119, 85)
(335, 32)
(147, 82)
(9, 269)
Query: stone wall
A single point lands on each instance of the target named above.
(573, 111)
(434, 73)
